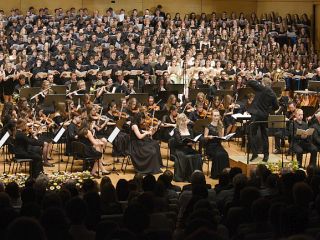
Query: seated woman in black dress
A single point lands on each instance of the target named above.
(145, 152)
(120, 143)
(188, 160)
(28, 148)
(214, 149)
(169, 123)
(93, 147)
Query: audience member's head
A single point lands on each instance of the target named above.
(25, 228)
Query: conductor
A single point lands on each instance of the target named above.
(264, 102)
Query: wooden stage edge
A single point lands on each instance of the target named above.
(241, 161)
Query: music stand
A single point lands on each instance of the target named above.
(176, 88)
(3, 140)
(142, 98)
(149, 88)
(200, 125)
(164, 95)
(226, 84)
(114, 97)
(221, 93)
(59, 89)
(277, 122)
(54, 99)
(160, 114)
(73, 86)
(76, 98)
(243, 92)
(308, 111)
(29, 92)
(314, 86)
(56, 140)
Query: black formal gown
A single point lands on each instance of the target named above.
(216, 153)
(165, 131)
(120, 144)
(89, 150)
(145, 154)
(187, 159)
(8, 85)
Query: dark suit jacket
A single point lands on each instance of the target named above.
(264, 102)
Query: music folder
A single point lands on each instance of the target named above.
(193, 140)
(307, 132)
(227, 137)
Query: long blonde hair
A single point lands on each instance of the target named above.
(180, 119)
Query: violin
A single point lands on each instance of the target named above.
(150, 122)
(154, 107)
(120, 114)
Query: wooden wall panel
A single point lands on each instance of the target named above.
(281, 7)
(51, 4)
(284, 7)
(7, 6)
(218, 6)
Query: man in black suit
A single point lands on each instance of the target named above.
(264, 102)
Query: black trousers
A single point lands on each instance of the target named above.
(264, 135)
(300, 147)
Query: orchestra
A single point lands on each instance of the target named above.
(131, 88)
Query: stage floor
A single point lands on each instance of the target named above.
(236, 154)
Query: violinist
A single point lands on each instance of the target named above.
(26, 147)
(197, 114)
(93, 148)
(172, 101)
(145, 152)
(201, 99)
(99, 125)
(152, 106)
(169, 123)
(217, 103)
(120, 143)
(214, 150)
(72, 132)
(133, 107)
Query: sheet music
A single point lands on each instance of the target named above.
(59, 135)
(197, 137)
(113, 135)
(239, 115)
(227, 137)
(4, 139)
(171, 132)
